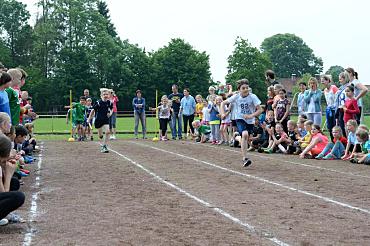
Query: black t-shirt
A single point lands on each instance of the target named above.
(257, 130)
(292, 135)
(176, 98)
(101, 109)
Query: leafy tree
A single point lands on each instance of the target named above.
(290, 54)
(104, 11)
(16, 31)
(179, 63)
(334, 71)
(248, 62)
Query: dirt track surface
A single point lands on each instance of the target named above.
(178, 192)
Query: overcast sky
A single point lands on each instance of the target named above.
(337, 31)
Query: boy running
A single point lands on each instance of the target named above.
(102, 110)
(247, 109)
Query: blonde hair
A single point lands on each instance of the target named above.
(16, 76)
(337, 128)
(102, 90)
(4, 117)
(29, 126)
(353, 123)
(308, 123)
(345, 76)
(362, 134)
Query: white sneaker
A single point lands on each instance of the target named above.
(4, 222)
(112, 137)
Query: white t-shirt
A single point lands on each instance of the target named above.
(357, 91)
(245, 105)
(205, 114)
(330, 96)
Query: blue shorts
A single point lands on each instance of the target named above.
(242, 126)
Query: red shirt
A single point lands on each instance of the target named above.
(114, 101)
(352, 109)
(343, 140)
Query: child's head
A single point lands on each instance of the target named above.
(11, 134)
(256, 121)
(301, 122)
(308, 125)
(352, 125)
(205, 103)
(5, 147)
(83, 100)
(186, 92)
(24, 76)
(5, 80)
(138, 93)
(282, 93)
(211, 90)
(243, 87)
(337, 132)
(88, 101)
(270, 92)
(315, 129)
(164, 99)
(104, 93)
(24, 95)
(279, 128)
(363, 127)
(343, 78)
(20, 134)
(29, 127)
(350, 91)
(291, 125)
(16, 76)
(196, 124)
(362, 135)
(326, 79)
(4, 122)
(302, 86)
(198, 98)
(302, 116)
(277, 88)
(218, 100)
(270, 115)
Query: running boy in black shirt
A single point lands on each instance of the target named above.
(102, 110)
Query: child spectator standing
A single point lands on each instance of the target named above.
(350, 107)
(214, 112)
(300, 98)
(80, 116)
(13, 95)
(281, 111)
(113, 119)
(198, 108)
(102, 110)
(164, 113)
(5, 81)
(87, 124)
(225, 124)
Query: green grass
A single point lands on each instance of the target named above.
(55, 126)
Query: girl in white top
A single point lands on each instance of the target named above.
(164, 112)
(329, 93)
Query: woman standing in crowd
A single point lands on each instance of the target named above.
(312, 98)
(340, 101)
(360, 90)
(329, 93)
(139, 112)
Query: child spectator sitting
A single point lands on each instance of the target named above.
(293, 136)
(317, 143)
(255, 138)
(263, 140)
(362, 138)
(352, 146)
(203, 131)
(30, 142)
(305, 141)
(279, 140)
(300, 125)
(335, 149)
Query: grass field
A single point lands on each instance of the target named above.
(51, 128)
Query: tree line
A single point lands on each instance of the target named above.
(73, 44)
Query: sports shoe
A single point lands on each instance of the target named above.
(320, 156)
(92, 138)
(328, 157)
(4, 222)
(111, 137)
(232, 143)
(251, 149)
(14, 218)
(105, 149)
(268, 151)
(246, 162)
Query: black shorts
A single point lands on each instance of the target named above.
(233, 123)
(100, 123)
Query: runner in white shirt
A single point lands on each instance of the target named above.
(248, 106)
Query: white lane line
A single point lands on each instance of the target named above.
(33, 209)
(291, 162)
(249, 227)
(327, 199)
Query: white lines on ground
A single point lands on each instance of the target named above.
(33, 209)
(326, 199)
(291, 162)
(249, 227)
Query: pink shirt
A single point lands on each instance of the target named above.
(323, 141)
(114, 101)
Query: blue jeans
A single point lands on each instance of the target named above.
(337, 149)
(176, 132)
(330, 121)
